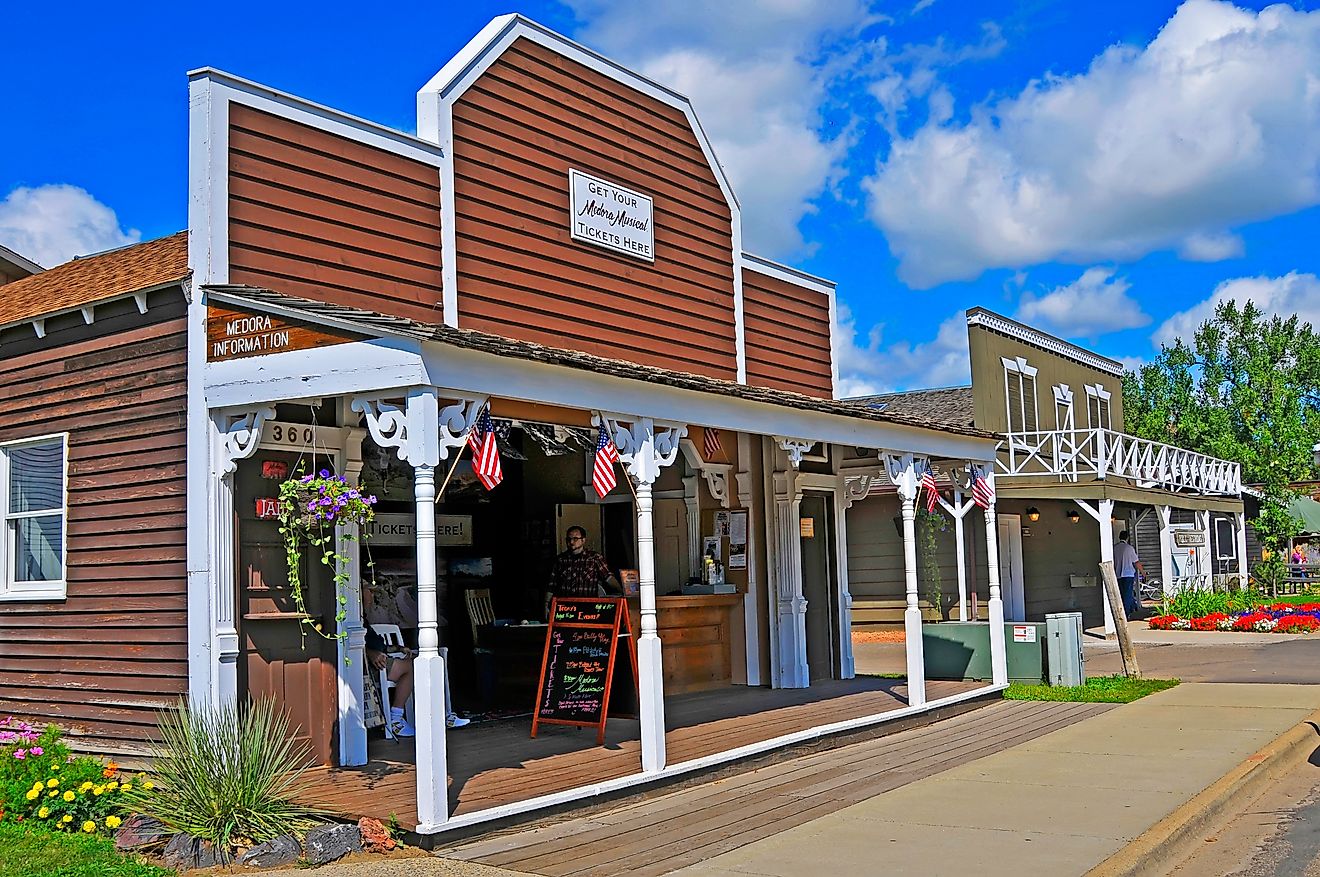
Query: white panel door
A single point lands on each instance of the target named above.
(1010, 568)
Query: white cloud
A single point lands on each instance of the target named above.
(757, 79)
(1290, 294)
(1092, 305)
(1211, 247)
(52, 224)
(867, 368)
(1214, 124)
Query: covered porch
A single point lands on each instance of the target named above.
(497, 770)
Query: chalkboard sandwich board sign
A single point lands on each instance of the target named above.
(581, 653)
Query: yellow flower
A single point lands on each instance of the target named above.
(54, 767)
(148, 785)
(126, 787)
(112, 785)
(52, 783)
(32, 794)
(66, 819)
(89, 826)
(43, 812)
(112, 822)
(52, 793)
(69, 796)
(85, 787)
(98, 791)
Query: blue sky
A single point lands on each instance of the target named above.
(1103, 171)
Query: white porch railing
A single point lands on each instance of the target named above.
(1074, 455)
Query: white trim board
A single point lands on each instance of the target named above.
(382, 364)
(1014, 329)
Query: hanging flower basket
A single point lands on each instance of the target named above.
(311, 508)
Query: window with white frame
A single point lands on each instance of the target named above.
(1020, 391)
(1063, 407)
(32, 494)
(1097, 407)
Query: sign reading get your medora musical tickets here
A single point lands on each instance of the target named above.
(610, 216)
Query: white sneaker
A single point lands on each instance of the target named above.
(454, 720)
(400, 726)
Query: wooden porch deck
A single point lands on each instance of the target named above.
(497, 763)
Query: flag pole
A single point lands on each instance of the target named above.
(440, 494)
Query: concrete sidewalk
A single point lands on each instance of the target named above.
(1060, 804)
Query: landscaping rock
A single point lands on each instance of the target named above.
(181, 852)
(283, 850)
(139, 832)
(375, 836)
(325, 843)
(209, 855)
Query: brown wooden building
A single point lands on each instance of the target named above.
(558, 246)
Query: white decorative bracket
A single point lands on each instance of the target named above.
(240, 433)
(716, 474)
(905, 471)
(645, 446)
(856, 487)
(795, 447)
(419, 432)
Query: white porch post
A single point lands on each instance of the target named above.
(235, 436)
(353, 633)
(961, 554)
(1240, 532)
(995, 604)
(790, 604)
(692, 504)
(423, 435)
(1102, 513)
(644, 451)
(1207, 560)
(1165, 513)
(904, 472)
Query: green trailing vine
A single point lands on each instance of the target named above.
(929, 526)
(311, 506)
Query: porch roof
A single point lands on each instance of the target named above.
(1092, 490)
(381, 325)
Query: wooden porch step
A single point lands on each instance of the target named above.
(888, 610)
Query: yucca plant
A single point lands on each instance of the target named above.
(227, 775)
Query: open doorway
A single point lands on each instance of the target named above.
(820, 583)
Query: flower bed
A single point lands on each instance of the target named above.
(1275, 618)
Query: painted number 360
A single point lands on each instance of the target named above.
(292, 435)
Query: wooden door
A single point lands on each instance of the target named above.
(819, 583)
(278, 658)
(1011, 580)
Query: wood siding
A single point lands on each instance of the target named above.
(330, 219)
(528, 119)
(101, 662)
(787, 336)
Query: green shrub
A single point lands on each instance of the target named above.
(1196, 604)
(226, 775)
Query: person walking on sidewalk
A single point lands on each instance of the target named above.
(1127, 566)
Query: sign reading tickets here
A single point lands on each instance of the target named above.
(610, 216)
(401, 529)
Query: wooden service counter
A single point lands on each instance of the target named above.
(696, 633)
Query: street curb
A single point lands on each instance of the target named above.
(1176, 836)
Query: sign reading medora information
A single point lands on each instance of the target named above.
(610, 216)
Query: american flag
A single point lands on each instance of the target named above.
(602, 471)
(932, 491)
(485, 451)
(710, 442)
(982, 493)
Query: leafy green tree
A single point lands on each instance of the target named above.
(1245, 388)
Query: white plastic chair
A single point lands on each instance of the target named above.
(394, 646)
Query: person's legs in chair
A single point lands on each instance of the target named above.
(401, 674)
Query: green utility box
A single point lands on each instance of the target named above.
(961, 650)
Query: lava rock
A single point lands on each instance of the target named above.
(185, 852)
(209, 855)
(283, 850)
(325, 843)
(375, 836)
(140, 832)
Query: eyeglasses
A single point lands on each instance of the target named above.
(577, 539)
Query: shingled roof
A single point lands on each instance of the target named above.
(96, 278)
(946, 406)
(369, 321)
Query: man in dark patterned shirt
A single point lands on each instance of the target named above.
(581, 572)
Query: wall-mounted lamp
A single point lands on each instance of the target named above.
(1074, 515)
(1033, 513)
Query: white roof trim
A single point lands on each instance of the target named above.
(298, 109)
(138, 295)
(788, 274)
(19, 261)
(1014, 329)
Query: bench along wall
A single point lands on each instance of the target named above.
(102, 661)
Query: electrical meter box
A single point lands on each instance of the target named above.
(1063, 648)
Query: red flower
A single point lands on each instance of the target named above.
(1297, 624)
(1161, 622)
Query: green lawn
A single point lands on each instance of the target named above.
(38, 853)
(1295, 599)
(1103, 689)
